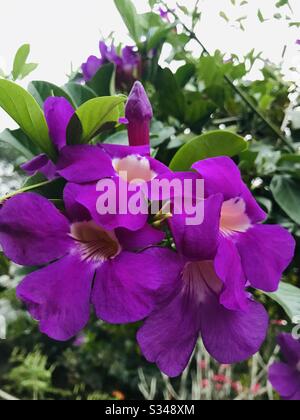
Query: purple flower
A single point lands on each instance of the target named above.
(87, 264)
(164, 14)
(139, 114)
(127, 64)
(298, 42)
(87, 165)
(58, 113)
(224, 255)
(285, 377)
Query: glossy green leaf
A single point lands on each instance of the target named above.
(79, 94)
(24, 109)
(20, 142)
(288, 297)
(41, 90)
(286, 193)
(101, 82)
(97, 113)
(212, 144)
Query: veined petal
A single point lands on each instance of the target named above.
(229, 269)
(266, 251)
(232, 336)
(284, 379)
(198, 242)
(128, 288)
(82, 164)
(58, 296)
(32, 230)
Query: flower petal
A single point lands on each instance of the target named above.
(198, 242)
(229, 269)
(222, 175)
(121, 151)
(170, 334)
(266, 251)
(284, 379)
(90, 68)
(58, 113)
(142, 238)
(32, 230)
(81, 164)
(89, 197)
(233, 336)
(75, 211)
(58, 296)
(41, 164)
(128, 288)
(290, 349)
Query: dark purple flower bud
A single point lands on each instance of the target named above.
(139, 114)
(90, 68)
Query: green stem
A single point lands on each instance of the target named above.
(237, 89)
(25, 189)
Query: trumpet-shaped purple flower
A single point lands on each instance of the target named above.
(88, 165)
(87, 265)
(58, 113)
(127, 64)
(285, 377)
(224, 255)
(138, 113)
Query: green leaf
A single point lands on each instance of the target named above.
(19, 141)
(224, 16)
(24, 109)
(101, 82)
(21, 69)
(27, 69)
(212, 144)
(20, 60)
(79, 93)
(286, 193)
(96, 113)
(184, 74)
(260, 16)
(288, 297)
(41, 90)
(131, 18)
(197, 111)
(171, 97)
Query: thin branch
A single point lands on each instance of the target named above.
(238, 90)
(25, 189)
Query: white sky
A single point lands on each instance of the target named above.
(65, 31)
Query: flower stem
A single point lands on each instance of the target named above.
(25, 189)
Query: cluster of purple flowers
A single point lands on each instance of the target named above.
(128, 65)
(120, 264)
